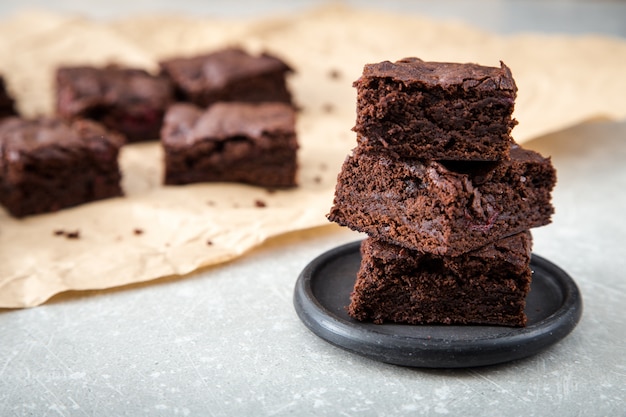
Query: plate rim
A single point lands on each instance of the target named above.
(378, 343)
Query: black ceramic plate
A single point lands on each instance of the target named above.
(322, 292)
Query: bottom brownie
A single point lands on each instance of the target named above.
(486, 286)
(47, 164)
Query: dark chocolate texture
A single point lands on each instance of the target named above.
(127, 100)
(48, 164)
(253, 143)
(435, 110)
(443, 208)
(487, 286)
(229, 75)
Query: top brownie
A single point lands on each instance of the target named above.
(127, 100)
(436, 110)
(229, 75)
(7, 104)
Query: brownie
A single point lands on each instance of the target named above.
(486, 286)
(253, 143)
(7, 103)
(47, 164)
(130, 101)
(436, 110)
(229, 74)
(444, 208)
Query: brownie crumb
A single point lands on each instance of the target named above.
(73, 235)
(209, 242)
(138, 231)
(317, 179)
(260, 203)
(328, 108)
(334, 74)
(270, 190)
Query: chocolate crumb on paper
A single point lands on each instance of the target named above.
(74, 234)
(334, 74)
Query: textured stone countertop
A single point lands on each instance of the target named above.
(227, 341)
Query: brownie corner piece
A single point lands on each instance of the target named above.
(229, 74)
(252, 143)
(130, 101)
(47, 164)
(488, 286)
(436, 110)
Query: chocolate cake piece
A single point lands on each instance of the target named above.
(436, 110)
(7, 103)
(127, 100)
(444, 208)
(253, 143)
(48, 164)
(487, 286)
(229, 75)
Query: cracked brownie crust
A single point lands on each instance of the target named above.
(444, 208)
(127, 100)
(431, 110)
(486, 286)
(234, 142)
(48, 164)
(229, 75)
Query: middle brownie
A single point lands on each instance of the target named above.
(252, 143)
(443, 208)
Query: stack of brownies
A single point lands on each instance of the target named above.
(444, 194)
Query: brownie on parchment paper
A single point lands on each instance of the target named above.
(253, 143)
(130, 101)
(47, 164)
(229, 74)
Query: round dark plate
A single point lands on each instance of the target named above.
(322, 292)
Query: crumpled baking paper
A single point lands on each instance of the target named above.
(156, 231)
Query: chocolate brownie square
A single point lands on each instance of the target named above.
(444, 208)
(127, 100)
(436, 110)
(486, 286)
(252, 143)
(229, 74)
(7, 103)
(48, 164)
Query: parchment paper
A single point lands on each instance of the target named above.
(157, 231)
